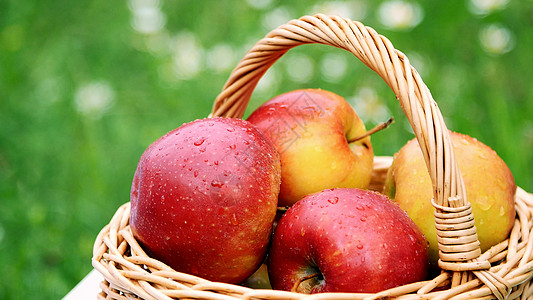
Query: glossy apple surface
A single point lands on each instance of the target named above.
(490, 188)
(204, 198)
(311, 129)
(353, 240)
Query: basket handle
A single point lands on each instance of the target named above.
(378, 53)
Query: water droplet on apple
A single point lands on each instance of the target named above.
(195, 173)
(333, 200)
(234, 219)
(216, 183)
(359, 246)
(216, 162)
(199, 142)
(363, 259)
(502, 211)
(363, 219)
(231, 129)
(484, 203)
(359, 207)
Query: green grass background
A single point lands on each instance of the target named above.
(64, 173)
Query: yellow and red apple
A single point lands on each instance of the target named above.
(490, 188)
(314, 132)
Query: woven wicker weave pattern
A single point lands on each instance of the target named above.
(130, 273)
(503, 271)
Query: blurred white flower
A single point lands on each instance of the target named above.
(158, 43)
(333, 66)
(369, 105)
(400, 15)
(485, 7)
(147, 16)
(353, 10)
(276, 17)
(300, 67)
(221, 58)
(94, 99)
(259, 4)
(187, 55)
(496, 39)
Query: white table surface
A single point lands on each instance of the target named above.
(87, 288)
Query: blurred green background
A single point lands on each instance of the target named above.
(86, 86)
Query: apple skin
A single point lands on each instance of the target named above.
(490, 189)
(259, 279)
(310, 129)
(357, 240)
(204, 198)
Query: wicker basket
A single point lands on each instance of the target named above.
(502, 272)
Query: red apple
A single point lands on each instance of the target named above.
(346, 240)
(316, 133)
(204, 198)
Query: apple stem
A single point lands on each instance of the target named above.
(377, 128)
(300, 280)
(282, 209)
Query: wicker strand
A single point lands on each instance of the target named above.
(514, 271)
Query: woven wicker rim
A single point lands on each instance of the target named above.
(503, 271)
